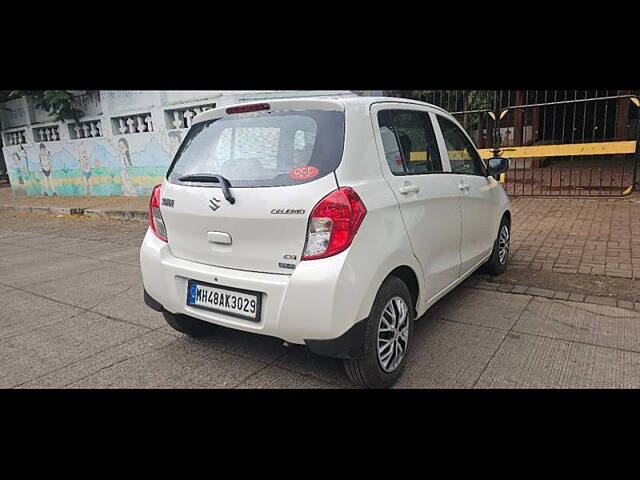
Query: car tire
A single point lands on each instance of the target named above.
(189, 325)
(376, 369)
(497, 263)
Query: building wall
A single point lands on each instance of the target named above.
(122, 146)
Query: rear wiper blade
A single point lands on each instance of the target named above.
(207, 177)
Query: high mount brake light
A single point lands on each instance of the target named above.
(333, 224)
(155, 217)
(249, 108)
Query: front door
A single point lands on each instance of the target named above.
(427, 194)
(480, 195)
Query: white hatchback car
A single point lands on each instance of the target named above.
(327, 222)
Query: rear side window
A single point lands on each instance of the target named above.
(409, 142)
(263, 150)
(463, 157)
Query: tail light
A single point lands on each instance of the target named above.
(333, 224)
(155, 217)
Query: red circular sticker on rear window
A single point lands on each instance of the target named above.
(304, 173)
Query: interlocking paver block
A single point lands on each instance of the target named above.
(577, 235)
(600, 300)
(625, 304)
(519, 289)
(487, 286)
(540, 292)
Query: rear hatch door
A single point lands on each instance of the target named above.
(277, 164)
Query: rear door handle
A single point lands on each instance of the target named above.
(463, 187)
(408, 188)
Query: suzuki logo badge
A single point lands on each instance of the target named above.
(214, 204)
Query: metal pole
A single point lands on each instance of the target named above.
(635, 184)
(496, 133)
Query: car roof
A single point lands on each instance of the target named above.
(338, 101)
(371, 100)
(354, 99)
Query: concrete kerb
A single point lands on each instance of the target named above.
(131, 215)
(551, 294)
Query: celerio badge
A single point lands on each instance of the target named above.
(287, 211)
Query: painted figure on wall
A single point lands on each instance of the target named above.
(17, 165)
(125, 159)
(87, 174)
(26, 159)
(122, 166)
(45, 165)
(175, 139)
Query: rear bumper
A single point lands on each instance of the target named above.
(301, 308)
(152, 303)
(348, 345)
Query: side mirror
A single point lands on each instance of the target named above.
(497, 166)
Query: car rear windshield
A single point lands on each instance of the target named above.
(263, 150)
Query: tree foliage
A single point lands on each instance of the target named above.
(458, 101)
(57, 103)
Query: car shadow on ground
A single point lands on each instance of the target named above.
(296, 367)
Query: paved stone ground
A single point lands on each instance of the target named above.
(73, 317)
(570, 235)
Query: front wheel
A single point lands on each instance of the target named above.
(497, 263)
(387, 338)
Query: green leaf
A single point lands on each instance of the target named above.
(57, 103)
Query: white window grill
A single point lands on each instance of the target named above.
(85, 129)
(132, 124)
(46, 134)
(16, 137)
(181, 118)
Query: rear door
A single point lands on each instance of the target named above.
(279, 163)
(480, 195)
(426, 192)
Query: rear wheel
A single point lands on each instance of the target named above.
(387, 338)
(497, 263)
(189, 325)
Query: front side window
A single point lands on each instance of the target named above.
(463, 157)
(409, 142)
(263, 150)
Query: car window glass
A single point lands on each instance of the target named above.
(277, 148)
(409, 142)
(247, 143)
(463, 157)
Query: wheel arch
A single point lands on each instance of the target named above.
(507, 215)
(410, 279)
(403, 265)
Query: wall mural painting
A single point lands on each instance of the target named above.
(126, 165)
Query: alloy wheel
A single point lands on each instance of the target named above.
(503, 244)
(393, 334)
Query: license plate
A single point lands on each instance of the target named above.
(230, 301)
